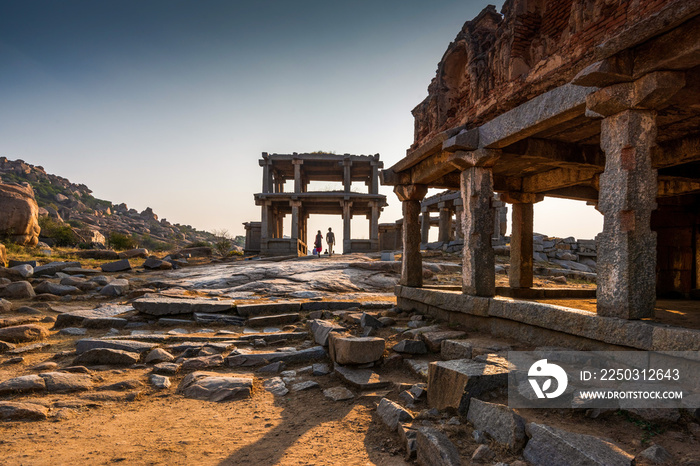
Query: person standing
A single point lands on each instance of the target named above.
(318, 243)
(330, 239)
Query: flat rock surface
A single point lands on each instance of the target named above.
(23, 333)
(125, 345)
(12, 411)
(107, 356)
(66, 382)
(24, 383)
(364, 379)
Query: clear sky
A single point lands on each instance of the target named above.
(169, 104)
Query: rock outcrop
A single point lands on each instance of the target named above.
(19, 214)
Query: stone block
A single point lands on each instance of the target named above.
(118, 266)
(392, 413)
(549, 445)
(321, 329)
(452, 384)
(277, 319)
(435, 449)
(364, 379)
(211, 386)
(355, 350)
(253, 310)
(173, 306)
(433, 340)
(455, 349)
(499, 421)
(410, 347)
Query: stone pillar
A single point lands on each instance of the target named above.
(294, 234)
(627, 246)
(459, 209)
(297, 175)
(411, 261)
(478, 259)
(264, 223)
(374, 178)
(445, 226)
(425, 225)
(374, 227)
(347, 175)
(347, 216)
(267, 176)
(521, 247)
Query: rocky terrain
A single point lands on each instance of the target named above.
(303, 361)
(93, 219)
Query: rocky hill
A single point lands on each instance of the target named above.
(91, 219)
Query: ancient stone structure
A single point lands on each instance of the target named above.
(300, 203)
(19, 214)
(595, 101)
(252, 238)
(390, 236)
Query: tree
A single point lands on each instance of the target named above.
(223, 242)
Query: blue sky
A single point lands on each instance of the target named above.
(169, 104)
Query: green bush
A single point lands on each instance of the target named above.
(154, 245)
(61, 233)
(121, 242)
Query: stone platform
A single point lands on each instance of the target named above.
(546, 324)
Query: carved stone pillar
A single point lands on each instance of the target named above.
(297, 175)
(374, 227)
(476, 186)
(627, 246)
(347, 174)
(411, 261)
(296, 206)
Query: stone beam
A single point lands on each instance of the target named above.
(467, 139)
(577, 193)
(431, 168)
(549, 151)
(679, 49)
(557, 178)
(677, 152)
(431, 147)
(674, 186)
(390, 178)
(461, 160)
(612, 70)
(544, 111)
(651, 91)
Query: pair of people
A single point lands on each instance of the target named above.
(330, 239)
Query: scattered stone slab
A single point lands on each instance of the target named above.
(273, 368)
(298, 387)
(56, 289)
(211, 386)
(12, 411)
(21, 384)
(153, 263)
(169, 368)
(392, 413)
(80, 271)
(19, 320)
(117, 397)
(25, 270)
(355, 350)
(420, 368)
(453, 383)
(368, 320)
(433, 340)
(549, 445)
(5, 346)
(166, 321)
(27, 310)
(132, 346)
(455, 349)
(104, 322)
(53, 267)
(202, 362)
(410, 347)
(321, 330)
(77, 317)
(107, 356)
(499, 421)
(329, 305)
(174, 306)
(28, 348)
(23, 333)
(5, 306)
(130, 384)
(160, 382)
(433, 448)
(364, 379)
(73, 331)
(338, 394)
(655, 454)
(320, 369)
(64, 382)
(276, 386)
(278, 319)
(17, 290)
(158, 355)
(254, 310)
(118, 287)
(225, 319)
(290, 357)
(118, 266)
